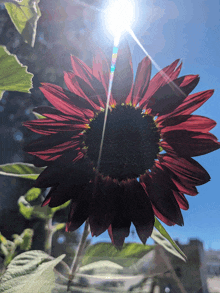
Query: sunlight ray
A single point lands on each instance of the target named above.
(111, 77)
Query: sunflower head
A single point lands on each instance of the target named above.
(145, 168)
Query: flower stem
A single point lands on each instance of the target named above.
(79, 253)
(49, 236)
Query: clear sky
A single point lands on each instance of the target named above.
(189, 30)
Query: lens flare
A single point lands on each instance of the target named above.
(119, 17)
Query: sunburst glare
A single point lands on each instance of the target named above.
(119, 17)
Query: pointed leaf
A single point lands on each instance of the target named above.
(163, 238)
(130, 253)
(39, 116)
(23, 170)
(25, 15)
(32, 271)
(13, 75)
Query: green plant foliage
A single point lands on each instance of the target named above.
(59, 226)
(13, 75)
(63, 206)
(3, 239)
(38, 116)
(31, 271)
(25, 208)
(30, 206)
(22, 170)
(27, 236)
(163, 238)
(9, 248)
(24, 15)
(130, 253)
(32, 194)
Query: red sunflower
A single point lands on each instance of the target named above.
(146, 165)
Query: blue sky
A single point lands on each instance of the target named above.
(189, 30)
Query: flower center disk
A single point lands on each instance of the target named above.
(131, 142)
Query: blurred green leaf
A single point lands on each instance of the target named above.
(31, 271)
(24, 15)
(27, 236)
(3, 239)
(25, 208)
(59, 226)
(163, 238)
(32, 194)
(23, 170)
(38, 116)
(42, 212)
(13, 75)
(63, 206)
(130, 253)
(4, 249)
(46, 212)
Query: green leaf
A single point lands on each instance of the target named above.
(63, 206)
(23, 170)
(3, 239)
(13, 75)
(38, 116)
(163, 238)
(31, 271)
(24, 15)
(32, 194)
(25, 208)
(130, 253)
(59, 226)
(27, 236)
(4, 249)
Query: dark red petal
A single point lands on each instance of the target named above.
(169, 97)
(159, 80)
(56, 115)
(161, 217)
(79, 172)
(49, 126)
(123, 77)
(49, 177)
(51, 147)
(80, 68)
(46, 200)
(79, 213)
(64, 101)
(187, 122)
(86, 80)
(183, 186)
(48, 158)
(182, 202)
(101, 70)
(58, 196)
(142, 80)
(189, 143)
(102, 209)
(120, 227)
(91, 94)
(119, 230)
(57, 149)
(176, 73)
(138, 208)
(188, 170)
(162, 198)
(190, 104)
